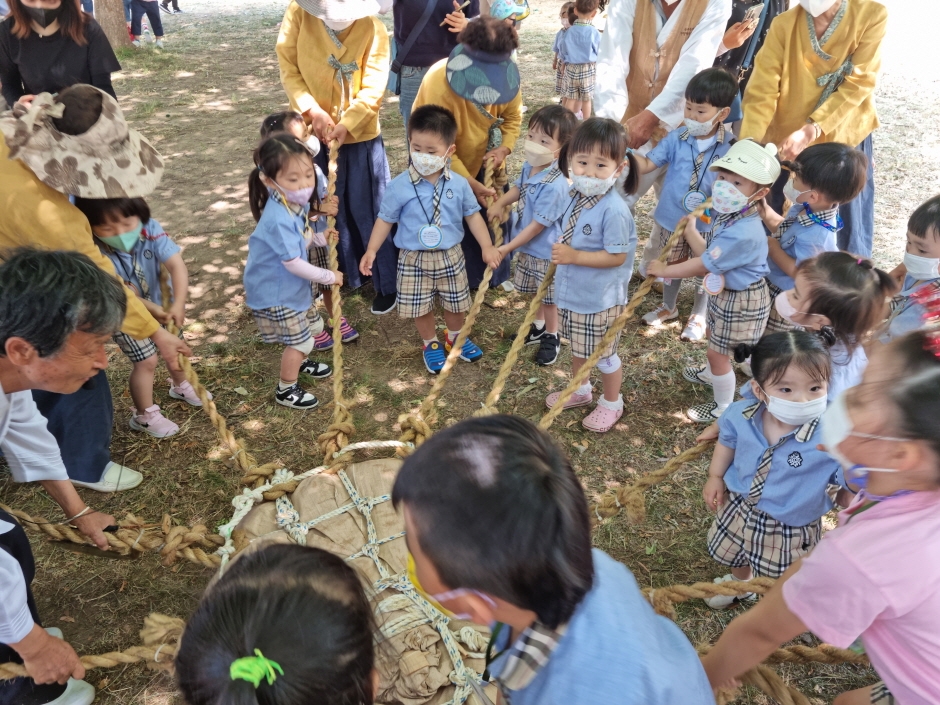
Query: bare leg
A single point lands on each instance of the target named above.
(743, 573)
(586, 108)
(612, 382)
(549, 314)
(141, 383)
(291, 360)
(427, 326)
(454, 321)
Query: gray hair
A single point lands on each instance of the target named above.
(46, 296)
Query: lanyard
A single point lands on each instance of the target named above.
(819, 221)
(703, 164)
(435, 201)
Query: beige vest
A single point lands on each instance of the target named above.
(651, 65)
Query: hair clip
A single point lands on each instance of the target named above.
(254, 669)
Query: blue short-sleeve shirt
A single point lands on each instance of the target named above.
(906, 314)
(580, 43)
(615, 649)
(802, 238)
(153, 249)
(546, 198)
(679, 150)
(739, 252)
(608, 225)
(557, 47)
(795, 490)
(409, 201)
(278, 237)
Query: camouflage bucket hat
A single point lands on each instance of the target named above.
(110, 160)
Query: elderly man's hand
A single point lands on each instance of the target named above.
(497, 156)
(48, 659)
(93, 525)
(640, 128)
(170, 348)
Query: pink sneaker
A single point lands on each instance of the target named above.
(153, 422)
(577, 399)
(186, 392)
(323, 340)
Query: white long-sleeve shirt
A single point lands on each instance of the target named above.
(32, 454)
(613, 60)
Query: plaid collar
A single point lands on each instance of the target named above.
(587, 202)
(803, 433)
(416, 177)
(546, 176)
(528, 655)
(684, 133)
(806, 220)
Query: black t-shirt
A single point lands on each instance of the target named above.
(49, 64)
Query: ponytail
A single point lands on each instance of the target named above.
(257, 193)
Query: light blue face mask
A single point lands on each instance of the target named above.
(124, 242)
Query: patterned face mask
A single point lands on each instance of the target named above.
(592, 186)
(426, 164)
(726, 198)
(698, 129)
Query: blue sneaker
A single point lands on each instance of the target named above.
(434, 357)
(469, 352)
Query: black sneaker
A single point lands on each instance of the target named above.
(295, 397)
(166, 8)
(315, 369)
(548, 350)
(534, 336)
(384, 303)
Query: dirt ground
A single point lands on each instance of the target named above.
(201, 101)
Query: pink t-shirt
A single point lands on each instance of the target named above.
(877, 577)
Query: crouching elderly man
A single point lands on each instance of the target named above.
(57, 310)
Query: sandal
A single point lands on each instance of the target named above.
(602, 419)
(577, 399)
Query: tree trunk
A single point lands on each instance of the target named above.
(110, 15)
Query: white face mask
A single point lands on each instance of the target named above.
(537, 154)
(789, 190)
(426, 164)
(816, 7)
(837, 427)
(922, 267)
(698, 129)
(795, 413)
(338, 26)
(726, 198)
(592, 186)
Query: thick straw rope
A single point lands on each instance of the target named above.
(417, 427)
(639, 295)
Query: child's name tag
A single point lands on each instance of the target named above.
(693, 200)
(430, 236)
(713, 283)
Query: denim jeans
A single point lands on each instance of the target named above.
(127, 10)
(411, 77)
(88, 7)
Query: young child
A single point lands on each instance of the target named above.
(922, 266)
(579, 50)
(243, 642)
(282, 190)
(139, 8)
(689, 151)
(594, 254)
(871, 583)
(138, 246)
(318, 254)
(558, 60)
(498, 527)
(429, 203)
(824, 176)
(542, 193)
(735, 262)
(767, 481)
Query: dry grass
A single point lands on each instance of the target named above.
(201, 101)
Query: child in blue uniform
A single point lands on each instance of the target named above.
(138, 246)
(579, 48)
(558, 60)
(824, 176)
(734, 264)
(594, 258)
(429, 203)
(542, 194)
(282, 191)
(768, 481)
(922, 267)
(689, 151)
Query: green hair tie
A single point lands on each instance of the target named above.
(254, 669)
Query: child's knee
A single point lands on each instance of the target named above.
(148, 364)
(609, 365)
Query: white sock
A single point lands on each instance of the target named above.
(723, 386)
(282, 385)
(428, 342)
(612, 405)
(707, 372)
(451, 335)
(585, 388)
(539, 324)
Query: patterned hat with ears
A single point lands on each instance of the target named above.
(340, 10)
(109, 160)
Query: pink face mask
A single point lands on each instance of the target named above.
(443, 597)
(786, 309)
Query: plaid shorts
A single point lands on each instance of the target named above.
(585, 330)
(880, 695)
(743, 535)
(736, 317)
(776, 322)
(319, 257)
(680, 252)
(136, 350)
(428, 275)
(530, 271)
(579, 81)
(560, 79)
(280, 324)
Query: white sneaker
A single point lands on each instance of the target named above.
(76, 693)
(158, 44)
(660, 315)
(694, 330)
(723, 602)
(115, 479)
